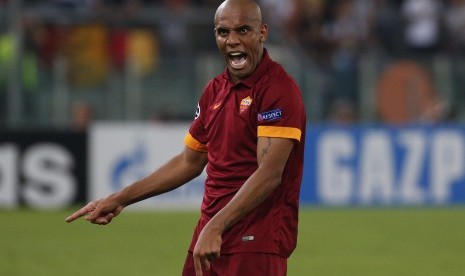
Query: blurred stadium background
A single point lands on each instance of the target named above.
(95, 93)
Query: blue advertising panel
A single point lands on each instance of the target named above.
(384, 165)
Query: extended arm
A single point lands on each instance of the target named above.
(176, 172)
(272, 155)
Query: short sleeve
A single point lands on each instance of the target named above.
(281, 113)
(196, 138)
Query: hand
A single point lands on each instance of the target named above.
(206, 250)
(100, 211)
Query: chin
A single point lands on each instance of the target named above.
(241, 74)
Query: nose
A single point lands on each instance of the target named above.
(233, 38)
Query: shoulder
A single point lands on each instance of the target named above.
(279, 81)
(213, 86)
(216, 83)
(283, 77)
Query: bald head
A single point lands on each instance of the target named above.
(240, 36)
(244, 6)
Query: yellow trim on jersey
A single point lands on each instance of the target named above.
(279, 132)
(192, 143)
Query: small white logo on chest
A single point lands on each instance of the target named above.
(248, 238)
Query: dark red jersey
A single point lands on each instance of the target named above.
(229, 119)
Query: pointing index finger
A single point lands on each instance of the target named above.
(81, 212)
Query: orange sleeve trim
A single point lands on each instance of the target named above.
(279, 132)
(193, 144)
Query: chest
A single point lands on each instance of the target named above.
(232, 111)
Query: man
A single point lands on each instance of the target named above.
(249, 131)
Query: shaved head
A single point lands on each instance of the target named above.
(240, 35)
(249, 6)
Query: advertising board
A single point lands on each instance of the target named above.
(123, 153)
(42, 169)
(384, 165)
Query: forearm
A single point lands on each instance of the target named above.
(254, 191)
(170, 176)
(272, 155)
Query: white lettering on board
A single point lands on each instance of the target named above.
(447, 164)
(335, 179)
(377, 174)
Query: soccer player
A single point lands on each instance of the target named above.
(249, 132)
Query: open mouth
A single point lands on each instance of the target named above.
(237, 60)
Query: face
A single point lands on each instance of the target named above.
(240, 37)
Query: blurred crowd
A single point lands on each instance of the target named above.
(334, 34)
(325, 28)
(337, 34)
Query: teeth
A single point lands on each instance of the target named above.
(238, 60)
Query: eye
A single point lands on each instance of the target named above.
(244, 30)
(222, 32)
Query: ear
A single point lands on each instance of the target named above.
(263, 33)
